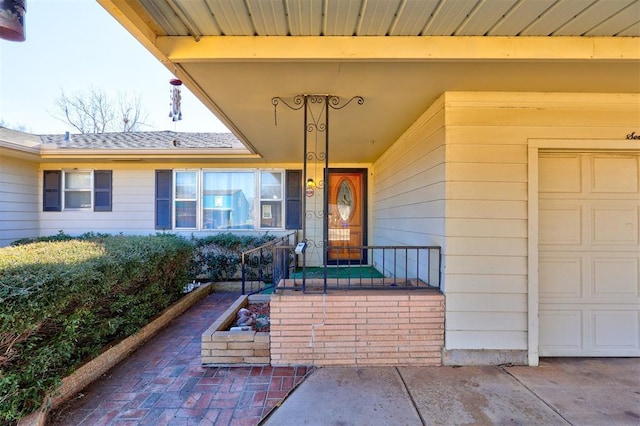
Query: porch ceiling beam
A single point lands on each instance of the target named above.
(242, 48)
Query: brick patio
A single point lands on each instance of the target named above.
(163, 383)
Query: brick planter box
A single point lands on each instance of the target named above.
(221, 347)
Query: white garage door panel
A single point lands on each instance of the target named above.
(614, 225)
(617, 329)
(589, 254)
(562, 331)
(560, 277)
(614, 174)
(561, 224)
(615, 277)
(588, 330)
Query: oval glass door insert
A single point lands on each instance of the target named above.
(345, 200)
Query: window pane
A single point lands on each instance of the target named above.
(228, 199)
(77, 199)
(186, 185)
(185, 214)
(271, 214)
(77, 180)
(271, 185)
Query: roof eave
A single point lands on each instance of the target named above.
(135, 154)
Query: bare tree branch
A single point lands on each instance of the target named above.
(93, 111)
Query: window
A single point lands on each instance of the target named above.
(270, 199)
(221, 199)
(77, 190)
(186, 199)
(164, 188)
(293, 195)
(228, 199)
(102, 190)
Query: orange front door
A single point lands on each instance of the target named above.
(347, 222)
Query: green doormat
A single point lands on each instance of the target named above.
(340, 272)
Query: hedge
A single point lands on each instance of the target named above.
(218, 257)
(63, 301)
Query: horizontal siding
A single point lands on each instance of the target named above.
(487, 172)
(18, 200)
(409, 188)
(491, 190)
(492, 284)
(486, 227)
(488, 246)
(467, 153)
(132, 211)
(486, 339)
(486, 201)
(409, 179)
(133, 202)
(487, 321)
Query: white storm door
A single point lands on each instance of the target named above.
(589, 254)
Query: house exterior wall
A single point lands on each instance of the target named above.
(132, 204)
(408, 191)
(458, 178)
(486, 271)
(18, 199)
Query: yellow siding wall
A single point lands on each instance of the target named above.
(409, 186)
(18, 199)
(486, 200)
(133, 205)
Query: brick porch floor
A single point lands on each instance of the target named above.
(163, 382)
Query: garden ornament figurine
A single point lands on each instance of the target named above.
(245, 318)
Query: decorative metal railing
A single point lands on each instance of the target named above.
(263, 267)
(389, 268)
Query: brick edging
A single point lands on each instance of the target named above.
(95, 368)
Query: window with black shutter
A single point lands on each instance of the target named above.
(164, 183)
(293, 199)
(51, 200)
(102, 190)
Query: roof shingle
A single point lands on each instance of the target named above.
(144, 140)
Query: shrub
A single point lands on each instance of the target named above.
(64, 300)
(218, 257)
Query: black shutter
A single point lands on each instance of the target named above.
(293, 199)
(164, 189)
(102, 190)
(52, 180)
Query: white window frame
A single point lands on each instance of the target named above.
(197, 199)
(261, 199)
(256, 203)
(65, 190)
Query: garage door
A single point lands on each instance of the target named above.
(589, 254)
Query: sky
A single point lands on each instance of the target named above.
(73, 46)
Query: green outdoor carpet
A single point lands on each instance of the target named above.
(340, 272)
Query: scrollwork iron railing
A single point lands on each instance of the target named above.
(263, 267)
(391, 268)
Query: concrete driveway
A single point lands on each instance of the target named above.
(561, 391)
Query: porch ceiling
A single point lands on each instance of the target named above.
(400, 55)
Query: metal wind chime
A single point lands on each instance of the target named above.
(12, 19)
(175, 113)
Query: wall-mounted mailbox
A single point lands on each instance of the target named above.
(301, 247)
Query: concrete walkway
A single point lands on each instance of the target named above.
(558, 392)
